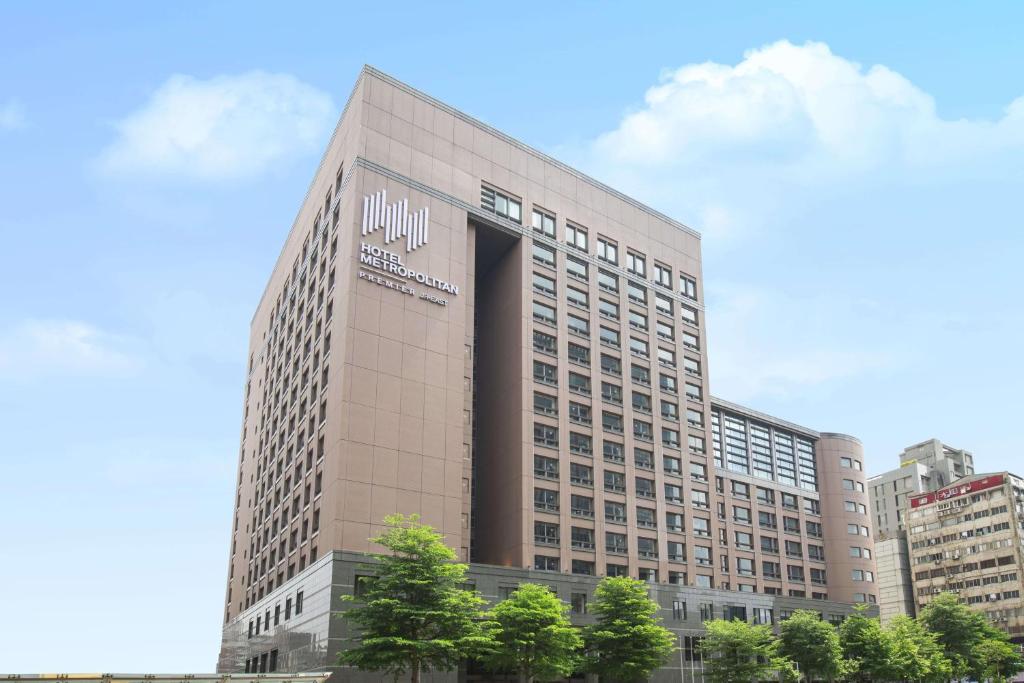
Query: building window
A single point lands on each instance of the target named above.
(579, 384)
(579, 354)
(615, 542)
(607, 281)
(543, 223)
(609, 337)
(545, 500)
(583, 506)
(545, 374)
(614, 512)
(576, 236)
(611, 365)
(636, 264)
(663, 303)
(612, 393)
(687, 286)
(582, 475)
(545, 564)
(583, 567)
(578, 603)
(689, 315)
(545, 343)
(544, 403)
(545, 533)
(543, 313)
(607, 250)
(501, 204)
(545, 467)
(544, 254)
(577, 297)
(662, 275)
(543, 284)
(545, 435)
(640, 375)
(576, 268)
(578, 325)
(636, 293)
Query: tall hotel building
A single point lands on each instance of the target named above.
(462, 327)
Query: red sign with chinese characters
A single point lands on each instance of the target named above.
(957, 490)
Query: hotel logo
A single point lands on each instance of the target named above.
(396, 220)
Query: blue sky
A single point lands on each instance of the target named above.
(855, 172)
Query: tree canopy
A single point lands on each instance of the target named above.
(961, 631)
(813, 645)
(535, 638)
(414, 615)
(627, 643)
(738, 652)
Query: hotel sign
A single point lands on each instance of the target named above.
(956, 490)
(384, 266)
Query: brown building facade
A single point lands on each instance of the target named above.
(461, 327)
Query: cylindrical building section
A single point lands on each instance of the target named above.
(846, 519)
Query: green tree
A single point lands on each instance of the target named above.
(914, 653)
(627, 643)
(738, 652)
(998, 659)
(414, 616)
(535, 637)
(960, 631)
(866, 647)
(813, 645)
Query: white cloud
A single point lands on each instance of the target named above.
(222, 128)
(774, 160)
(12, 115)
(752, 355)
(44, 348)
(798, 108)
(714, 141)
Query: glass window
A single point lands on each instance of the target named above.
(544, 373)
(578, 325)
(544, 342)
(611, 365)
(639, 347)
(501, 204)
(663, 303)
(577, 297)
(689, 314)
(607, 250)
(543, 313)
(543, 223)
(607, 281)
(576, 268)
(640, 375)
(636, 263)
(544, 254)
(611, 393)
(579, 354)
(609, 337)
(637, 320)
(576, 236)
(687, 286)
(543, 284)
(545, 467)
(637, 293)
(662, 275)
(608, 310)
(544, 403)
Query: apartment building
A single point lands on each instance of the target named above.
(966, 538)
(926, 466)
(462, 327)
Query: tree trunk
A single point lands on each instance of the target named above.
(415, 678)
